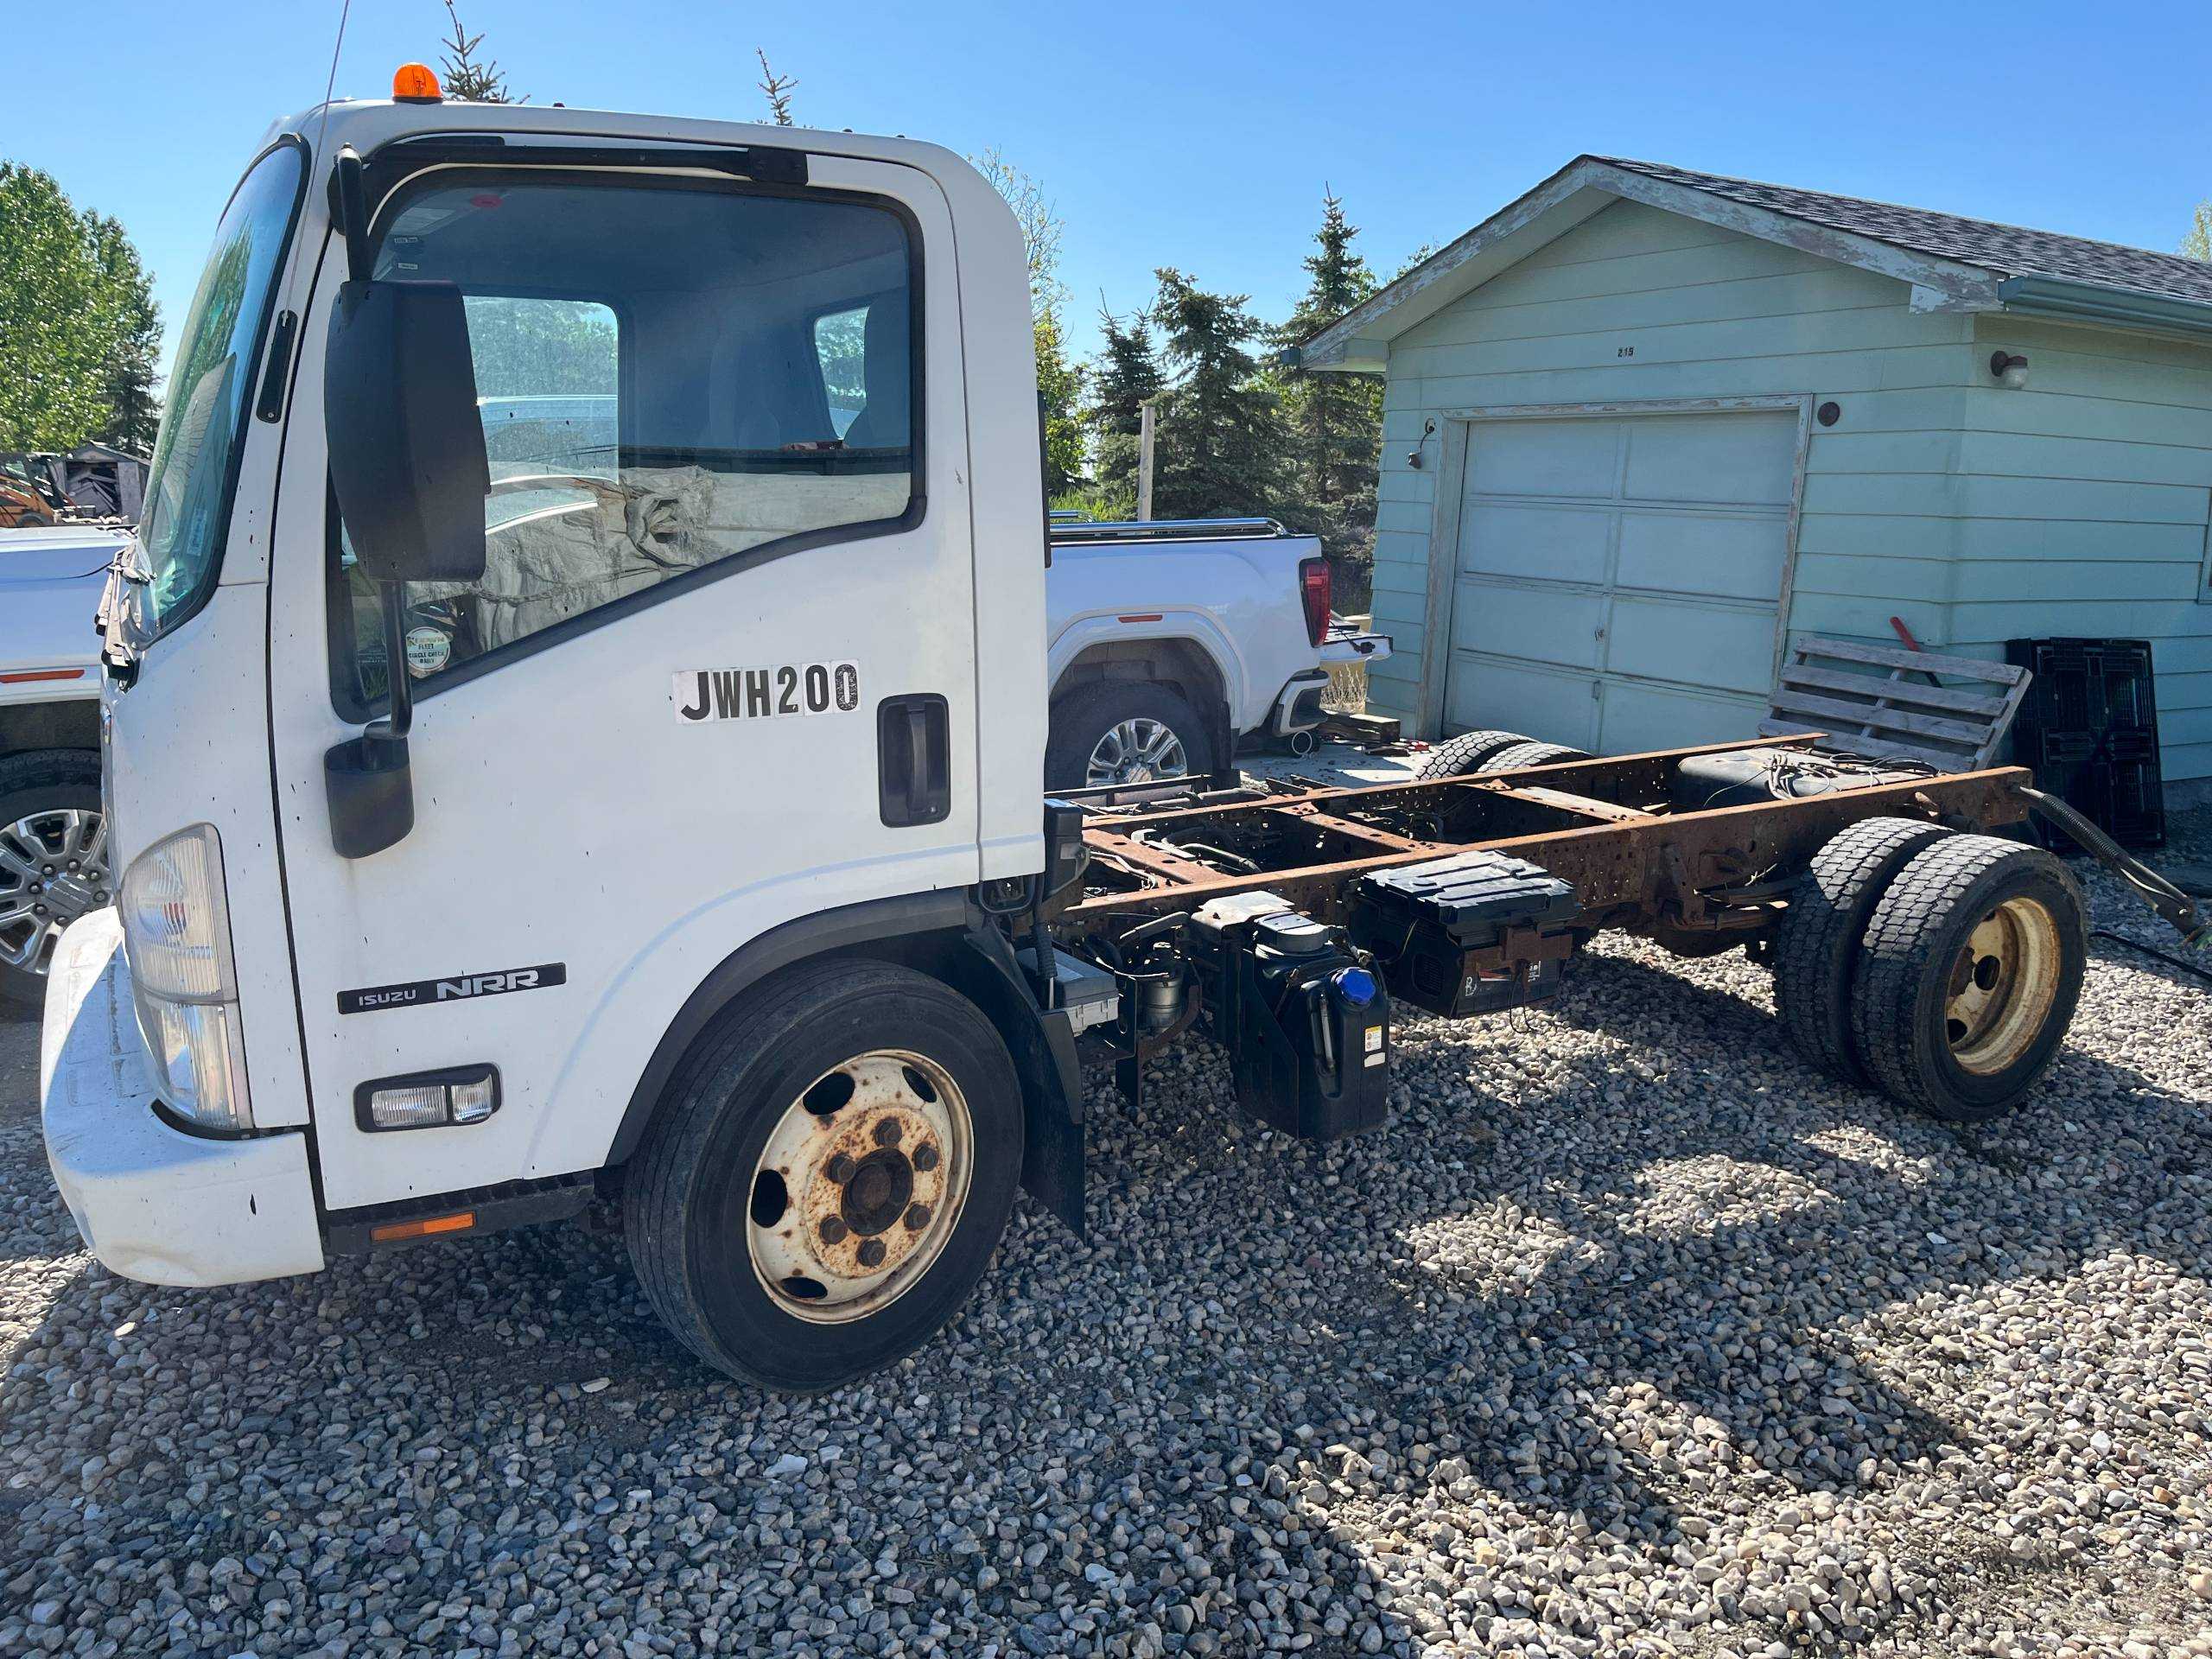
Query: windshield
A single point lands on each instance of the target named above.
(189, 487)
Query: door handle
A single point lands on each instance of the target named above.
(914, 760)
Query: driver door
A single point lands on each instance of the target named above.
(728, 596)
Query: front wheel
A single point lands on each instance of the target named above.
(826, 1182)
(53, 860)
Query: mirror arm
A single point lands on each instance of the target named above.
(353, 215)
(399, 718)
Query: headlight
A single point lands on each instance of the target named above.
(176, 936)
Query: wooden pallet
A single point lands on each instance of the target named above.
(1890, 704)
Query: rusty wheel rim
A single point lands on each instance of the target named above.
(860, 1187)
(2004, 982)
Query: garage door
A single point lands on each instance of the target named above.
(1617, 580)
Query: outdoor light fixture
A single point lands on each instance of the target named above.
(1414, 455)
(2010, 368)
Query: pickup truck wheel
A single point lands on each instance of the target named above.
(1457, 756)
(1816, 948)
(1125, 732)
(53, 860)
(826, 1181)
(1972, 967)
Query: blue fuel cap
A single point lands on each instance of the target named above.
(1355, 985)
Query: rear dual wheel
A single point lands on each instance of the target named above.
(1942, 969)
(825, 1182)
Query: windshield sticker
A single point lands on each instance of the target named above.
(706, 694)
(458, 988)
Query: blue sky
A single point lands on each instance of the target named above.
(1202, 136)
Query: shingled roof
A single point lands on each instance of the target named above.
(2007, 249)
(1949, 263)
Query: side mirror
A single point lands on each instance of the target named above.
(406, 443)
(408, 467)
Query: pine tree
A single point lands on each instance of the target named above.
(776, 88)
(1336, 419)
(1220, 442)
(464, 78)
(1128, 376)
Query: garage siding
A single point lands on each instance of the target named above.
(1707, 313)
(2091, 488)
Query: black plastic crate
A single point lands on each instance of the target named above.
(2088, 728)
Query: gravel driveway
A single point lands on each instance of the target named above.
(1630, 1336)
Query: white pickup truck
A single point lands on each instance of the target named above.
(1168, 642)
(52, 842)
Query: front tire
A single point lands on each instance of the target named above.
(825, 1183)
(53, 860)
(1972, 969)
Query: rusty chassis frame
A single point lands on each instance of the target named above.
(1699, 879)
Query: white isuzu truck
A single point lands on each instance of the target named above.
(669, 831)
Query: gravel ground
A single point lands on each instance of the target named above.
(1630, 1337)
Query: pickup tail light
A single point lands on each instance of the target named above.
(1313, 589)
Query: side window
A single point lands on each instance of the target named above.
(648, 412)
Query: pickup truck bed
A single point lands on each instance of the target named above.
(1170, 641)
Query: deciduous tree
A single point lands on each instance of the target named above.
(77, 320)
(1059, 383)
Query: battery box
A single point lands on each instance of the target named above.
(1306, 1025)
(1466, 935)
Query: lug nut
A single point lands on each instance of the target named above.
(833, 1230)
(871, 1253)
(841, 1169)
(925, 1156)
(917, 1217)
(888, 1133)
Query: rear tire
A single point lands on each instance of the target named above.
(1457, 756)
(1971, 973)
(750, 1219)
(1817, 948)
(1112, 727)
(1520, 755)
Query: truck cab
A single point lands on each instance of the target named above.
(711, 704)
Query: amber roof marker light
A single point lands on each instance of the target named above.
(413, 83)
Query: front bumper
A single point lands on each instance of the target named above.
(152, 1202)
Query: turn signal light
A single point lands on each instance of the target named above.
(413, 83)
(393, 1231)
